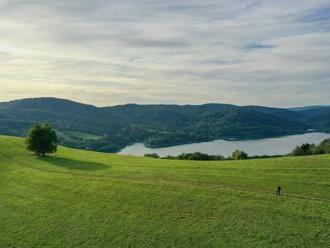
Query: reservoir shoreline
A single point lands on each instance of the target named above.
(268, 146)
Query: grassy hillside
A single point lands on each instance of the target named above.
(88, 199)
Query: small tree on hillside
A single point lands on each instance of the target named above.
(238, 155)
(42, 140)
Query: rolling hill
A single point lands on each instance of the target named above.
(110, 129)
(318, 116)
(87, 199)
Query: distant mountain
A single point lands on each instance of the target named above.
(309, 108)
(319, 118)
(110, 129)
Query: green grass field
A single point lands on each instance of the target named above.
(87, 199)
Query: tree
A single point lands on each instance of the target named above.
(316, 149)
(325, 145)
(238, 155)
(42, 140)
(306, 148)
(298, 151)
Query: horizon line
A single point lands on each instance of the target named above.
(160, 104)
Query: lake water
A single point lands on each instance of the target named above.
(270, 146)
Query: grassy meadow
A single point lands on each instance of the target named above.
(86, 199)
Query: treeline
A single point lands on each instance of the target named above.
(236, 155)
(312, 149)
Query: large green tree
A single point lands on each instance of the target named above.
(42, 140)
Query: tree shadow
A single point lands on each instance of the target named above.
(73, 164)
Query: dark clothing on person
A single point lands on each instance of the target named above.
(278, 191)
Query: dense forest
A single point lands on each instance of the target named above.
(110, 129)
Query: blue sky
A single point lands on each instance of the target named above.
(108, 52)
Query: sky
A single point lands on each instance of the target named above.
(108, 52)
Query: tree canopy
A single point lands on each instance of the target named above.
(238, 155)
(42, 140)
(312, 149)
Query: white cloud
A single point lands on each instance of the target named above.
(108, 52)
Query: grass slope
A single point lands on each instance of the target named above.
(89, 199)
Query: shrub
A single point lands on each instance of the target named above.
(151, 155)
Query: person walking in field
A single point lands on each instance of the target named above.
(278, 191)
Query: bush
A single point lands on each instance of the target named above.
(199, 156)
(151, 155)
(42, 140)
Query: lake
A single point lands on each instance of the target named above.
(270, 146)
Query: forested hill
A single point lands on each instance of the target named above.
(111, 128)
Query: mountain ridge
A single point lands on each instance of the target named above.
(156, 125)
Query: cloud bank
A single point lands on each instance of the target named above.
(108, 52)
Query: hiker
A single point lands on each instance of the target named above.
(278, 191)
